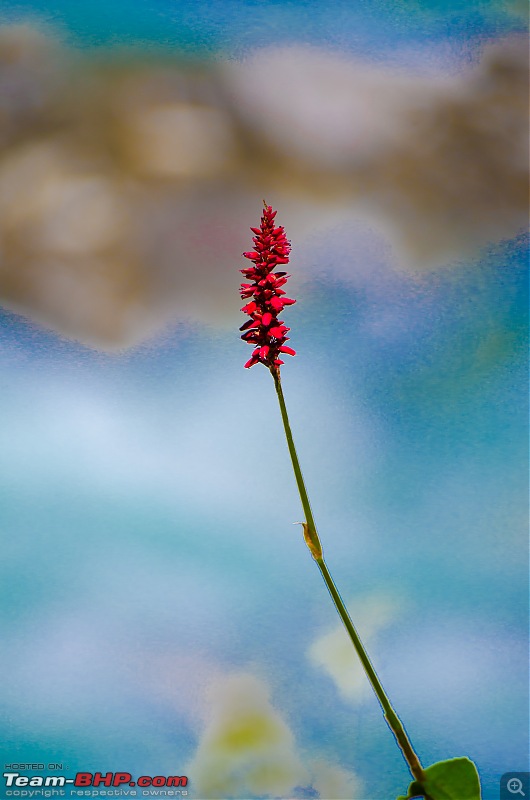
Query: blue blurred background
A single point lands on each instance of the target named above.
(147, 500)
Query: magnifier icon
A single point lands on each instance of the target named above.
(515, 786)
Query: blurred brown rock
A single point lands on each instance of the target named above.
(127, 183)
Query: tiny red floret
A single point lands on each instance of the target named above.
(264, 331)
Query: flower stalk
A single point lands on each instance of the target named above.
(313, 542)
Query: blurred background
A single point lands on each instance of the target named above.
(161, 614)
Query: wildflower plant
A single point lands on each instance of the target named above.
(453, 779)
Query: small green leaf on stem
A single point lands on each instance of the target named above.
(454, 779)
(415, 790)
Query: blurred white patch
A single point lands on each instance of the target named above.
(248, 750)
(334, 653)
(177, 450)
(335, 783)
(334, 109)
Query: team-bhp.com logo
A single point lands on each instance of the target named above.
(93, 784)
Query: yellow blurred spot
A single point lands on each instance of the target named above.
(251, 732)
(247, 747)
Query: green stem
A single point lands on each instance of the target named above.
(292, 451)
(313, 542)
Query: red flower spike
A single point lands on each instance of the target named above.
(267, 333)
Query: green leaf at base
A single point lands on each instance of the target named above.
(454, 779)
(415, 790)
